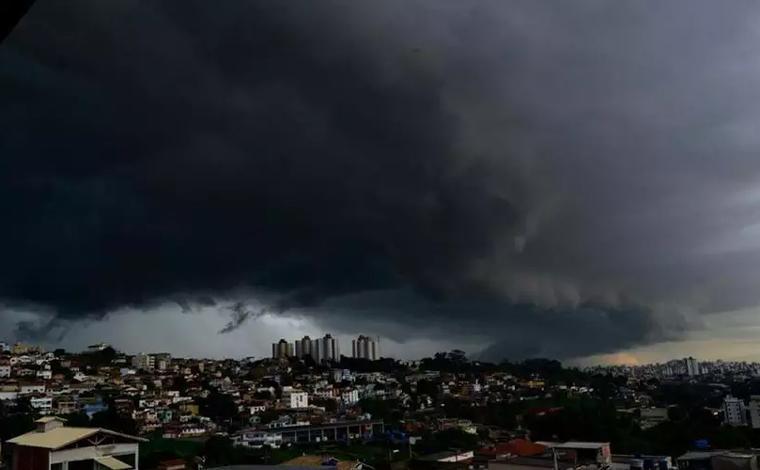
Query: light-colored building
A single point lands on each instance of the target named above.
(30, 388)
(5, 370)
(54, 446)
(162, 361)
(350, 396)
(293, 398)
(303, 347)
(692, 366)
(364, 347)
(754, 411)
(42, 405)
(735, 413)
(144, 361)
(326, 349)
(259, 438)
(282, 349)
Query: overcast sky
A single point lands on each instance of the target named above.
(578, 180)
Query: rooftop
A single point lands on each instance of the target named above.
(62, 436)
(112, 463)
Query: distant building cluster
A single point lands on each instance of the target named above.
(325, 349)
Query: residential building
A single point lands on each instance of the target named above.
(54, 446)
(350, 396)
(144, 361)
(282, 349)
(754, 411)
(327, 349)
(364, 347)
(42, 405)
(303, 347)
(293, 398)
(5, 370)
(692, 366)
(734, 411)
(30, 388)
(162, 361)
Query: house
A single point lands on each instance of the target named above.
(55, 446)
(5, 369)
(31, 388)
(292, 398)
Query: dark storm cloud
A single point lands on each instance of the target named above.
(546, 165)
(183, 148)
(241, 313)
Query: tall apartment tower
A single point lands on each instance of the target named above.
(326, 349)
(754, 411)
(692, 366)
(304, 347)
(734, 411)
(364, 347)
(282, 349)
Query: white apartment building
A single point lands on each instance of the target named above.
(349, 397)
(326, 349)
(364, 347)
(144, 361)
(303, 347)
(282, 349)
(295, 399)
(734, 411)
(5, 370)
(42, 405)
(692, 366)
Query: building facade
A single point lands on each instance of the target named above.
(144, 362)
(692, 366)
(364, 347)
(754, 411)
(54, 446)
(326, 349)
(294, 399)
(282, 349)
(734, 411)
(303, 347)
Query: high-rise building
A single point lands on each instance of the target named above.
(326, 349)
(692, 366)
(144, 361)
(734, 411)
(304, 347)
(282, 349)
(364, 347)
(754, 411)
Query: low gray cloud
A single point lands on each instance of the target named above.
(516, 170)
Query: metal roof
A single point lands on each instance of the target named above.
(112, 463)
(53, 439)
(62, 436)
(47, 419)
